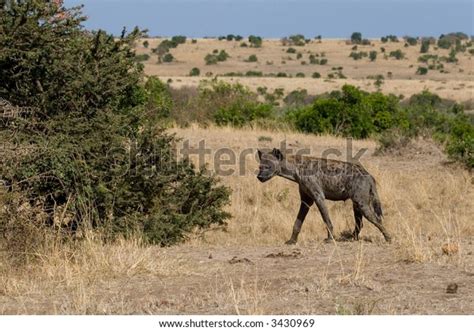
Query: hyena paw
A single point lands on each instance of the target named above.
(291, 242)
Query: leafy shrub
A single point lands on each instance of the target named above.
(241, 114)
(398, 54)
(356, 38)
(142, 57)
(349, 113)
(323, 61)
(298, 98)
(146, 44)
(195, 72)
(316, 75)
(422, 71)
(444, 42)
(254, 73)
(412, 41)
(297, 40)
(211, 59)
(300, 75)
(178, 39)
(313, 59)
(96, 155)
(373, 55)
(390, 37)
(255, 41)
(358, 55)
(222, 56)
(425, 46)
(252, 58)
(291, 50)
(282, 74)
(168, 57)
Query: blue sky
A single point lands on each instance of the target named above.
(278, 18)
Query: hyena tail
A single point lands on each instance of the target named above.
(376, 202)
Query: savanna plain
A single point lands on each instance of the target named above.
(245, 267)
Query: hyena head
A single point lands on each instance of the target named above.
(270, 164)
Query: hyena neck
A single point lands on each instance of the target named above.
(289, 171)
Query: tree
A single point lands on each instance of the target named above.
(373, 55)
(425, 46)
(255, 41)
(356, 38)
(195, 72)
(92, 133)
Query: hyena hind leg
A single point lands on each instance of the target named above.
(369, 214)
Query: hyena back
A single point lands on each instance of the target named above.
(319, 179)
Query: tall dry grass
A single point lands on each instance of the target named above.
(426, 205)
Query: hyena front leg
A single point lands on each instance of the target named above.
(306, 202)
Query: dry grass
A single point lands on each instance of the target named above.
(428, 206)
(455, 83)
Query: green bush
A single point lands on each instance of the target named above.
(146, 44)
(398, 54)
(356, 38)
(316, 75)
(373, 55)
(313, 59)
(168, 57)
(422, 71)
(350, 113)
(252, 58)
(222, 56)
(195, 72)
(211, 59)
(300, 75)
(254, 73)
(291, 50)
(142, 57)
(255, 41)
(97, 158)
(412, 41)
(241, 113)
(425, 46)
(178, 40)
(323, 61)
(297, 40)
(444, 42)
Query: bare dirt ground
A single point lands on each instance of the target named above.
(246, 268)
(313, 278)
(456, 82)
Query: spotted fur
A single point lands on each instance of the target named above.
(320, 179)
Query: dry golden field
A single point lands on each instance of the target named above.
(246, 269)
(455, 83)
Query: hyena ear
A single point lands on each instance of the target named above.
(277, 153)
(259, 154)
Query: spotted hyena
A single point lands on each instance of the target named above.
(319, 179)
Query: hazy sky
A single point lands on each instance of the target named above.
(278, 18)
